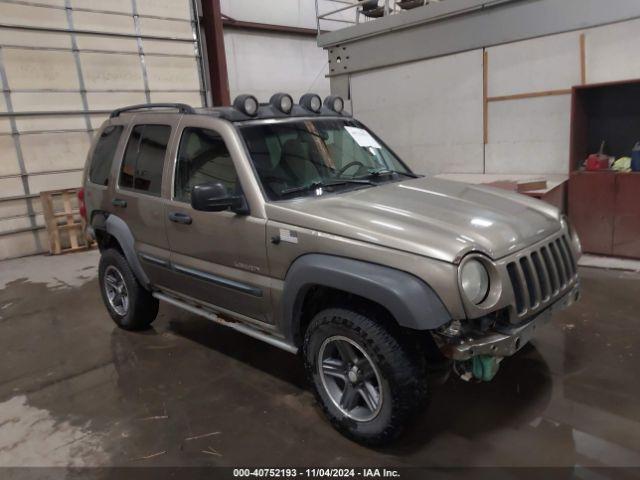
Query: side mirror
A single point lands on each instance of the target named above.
(214, 197)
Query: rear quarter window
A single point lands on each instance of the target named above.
(143, 160)
(103, 155)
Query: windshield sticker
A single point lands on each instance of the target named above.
(362, 137)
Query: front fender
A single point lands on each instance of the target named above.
(410, 300)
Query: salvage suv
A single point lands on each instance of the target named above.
(296, 225)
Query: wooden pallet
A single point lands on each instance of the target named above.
(65, 226)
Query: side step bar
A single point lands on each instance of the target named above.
(252, 332)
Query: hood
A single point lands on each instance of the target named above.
(437, 218)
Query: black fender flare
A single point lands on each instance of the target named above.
(411, 301)
(117, 228)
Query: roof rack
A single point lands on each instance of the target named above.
(181, 107)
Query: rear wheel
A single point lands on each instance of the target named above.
(130, 305)
(367, 380)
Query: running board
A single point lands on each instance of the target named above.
(251, 332)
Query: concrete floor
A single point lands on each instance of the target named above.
(75, 390)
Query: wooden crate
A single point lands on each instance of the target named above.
(65, 226)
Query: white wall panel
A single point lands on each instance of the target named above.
(113, 100)
(103, 22)
(39, 183)
(122, 6)
(12, 36)
(172, 9)
(10, 187)
(21, 244)
(18, 222)
(529, 136)
(612, 52)
(266, 63)
(107, 43)
(26, 15)
(5, 126)
(430, 112)
(50, 122)
(166, 28)
(54, 151)
(8, 158)
(17, 207)
(46, 101)
(547, 63)
(190, 98)
(104, 71)
(33, 69)
(168, 48)
(167, 73)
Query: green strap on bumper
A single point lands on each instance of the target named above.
(485, 367)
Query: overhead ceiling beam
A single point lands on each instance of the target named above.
(228, 22)
(401, 38)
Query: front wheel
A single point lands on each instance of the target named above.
(368, 382)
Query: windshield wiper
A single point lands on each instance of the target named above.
(385, 171)
(315, 185)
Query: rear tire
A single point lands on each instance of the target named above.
(130, 305)
(389, 392)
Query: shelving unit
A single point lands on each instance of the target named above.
(604, 206)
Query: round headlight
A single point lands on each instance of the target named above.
(247, 104)
(311, 101)
(282, 102)
(474, 280)
(335, 103)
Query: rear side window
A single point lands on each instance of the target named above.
(103, 155)
(144, 158)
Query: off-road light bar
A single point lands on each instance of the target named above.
(311, 101)
(282, 102)
(335, 103)
(247, 104)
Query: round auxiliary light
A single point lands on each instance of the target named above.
(282, 102)
(311, 101)
(247, 104)
(474, 280)
(335, 103)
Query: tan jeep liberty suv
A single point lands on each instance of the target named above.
(296, 225)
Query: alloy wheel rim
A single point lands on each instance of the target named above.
(116, 290)
(350, 378)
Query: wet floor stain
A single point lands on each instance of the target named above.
(189, 392)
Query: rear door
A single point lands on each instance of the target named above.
(220, 257)
(138, 193)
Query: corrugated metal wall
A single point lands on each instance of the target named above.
(64, 64)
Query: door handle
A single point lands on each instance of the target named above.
(178, 217)
(118, 202)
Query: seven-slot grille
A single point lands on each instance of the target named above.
(540, 276)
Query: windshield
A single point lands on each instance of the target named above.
(312, 157)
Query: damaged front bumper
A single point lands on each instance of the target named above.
(503, 341)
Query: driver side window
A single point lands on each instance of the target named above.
(202, 158)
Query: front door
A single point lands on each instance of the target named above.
(220, 257)
(137, 196)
